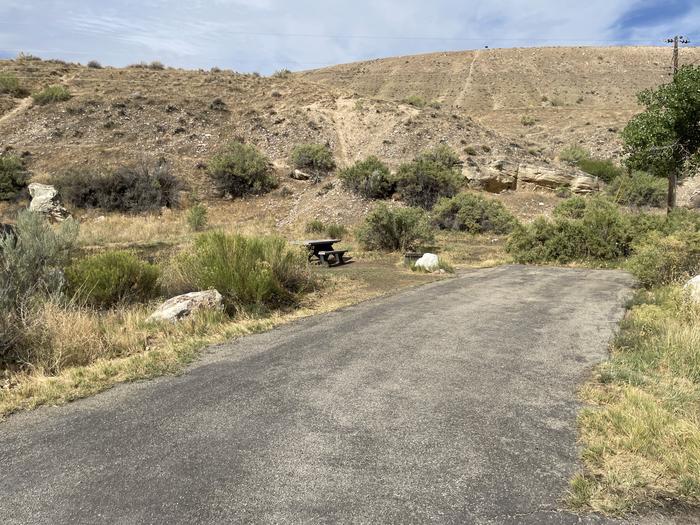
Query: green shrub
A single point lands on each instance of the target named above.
(13, 177)
(315, 226)
(428, 178)
(370, 178)
(572, 208)
(111, 278)
(639, 189)
(601, 234)
(9, 85)
(573, 154)
(30, 267)
(51, 94)
(240, 169)
(94, 64)
(251, 273)
(399, 229)
(528, 121)
(443, 156)
(336, 231)
(130, 189)
(605, 170)
(473, 214)
(156, 65)
(197, 217)
(282, 73)
(316, 158)
(660, 260)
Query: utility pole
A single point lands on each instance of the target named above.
(673, 176)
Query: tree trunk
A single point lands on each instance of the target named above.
(672, 182)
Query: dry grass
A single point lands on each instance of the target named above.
(642, 436)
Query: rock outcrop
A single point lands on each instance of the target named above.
(498, 176)
(183, 306)
(504, 175)
(45, 200)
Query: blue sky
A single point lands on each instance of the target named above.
(266, 35)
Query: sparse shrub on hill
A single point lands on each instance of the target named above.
(416, 101)
(111, 278)
(429, 177)
(282, 73)
(370, 178)
(660, 260)
(572, 208)
(600, 234)
(638, 189)
(315, 226)
(240, 170)
(157, 65)
(474, 214)
(130, 189)
(10, 85)
(399, 229)
(336, 231)
(528, 121)
(316, 158)
(573, 154)
(606, 170)
(252, 273)
(94, 64)
(13, 177)
(51, 95)
(331, 230)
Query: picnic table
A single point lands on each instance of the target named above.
(322, 251)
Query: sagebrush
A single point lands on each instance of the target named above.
(241, 169)
(395, 229)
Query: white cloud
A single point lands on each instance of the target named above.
(269, 34)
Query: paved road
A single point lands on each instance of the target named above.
(454, 403)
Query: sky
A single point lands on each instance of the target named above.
(268, 35)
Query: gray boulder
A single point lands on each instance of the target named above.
(183, 306)
(693, 288)
(553, 179)
(299, 175)
(500, 175)
(429, 262)
(45, 200)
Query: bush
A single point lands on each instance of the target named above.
(605, 170)
(156, 65)
(315, 226)
(416, 101)
(197, 217)
(639, 189)
(473, 214)
(94, 64)
(13, 177)
(573, 154)
(528, 121)
(251, 273)
(399, 229)
(111, 278)
(443, 156)
(316, 158)
(240, 169)
(130, 189)
(428, 178)
(370, 178)
(31, 266)
(51, 94)
(336, 231)
(572, 208)
(600, 234)
(659, 260)
(9, 85)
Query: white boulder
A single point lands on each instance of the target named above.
(45, 200)
(183, 306)
(429, 262)
(693, 288)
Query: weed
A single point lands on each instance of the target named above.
(51, 95)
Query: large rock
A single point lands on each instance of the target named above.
(429, 262)
(183, 306)
(45, 200)
(693, 287)
(583, 184)
(299, 175)
(499, 176)
(694, 200)
(553, 179)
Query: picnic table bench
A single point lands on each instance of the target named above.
(322, 250)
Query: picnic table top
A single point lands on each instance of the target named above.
(314, 242)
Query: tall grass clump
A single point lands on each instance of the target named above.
(13, 177)
(51, 95)
(130, 189)
(251, 273)
(111, 278)
(197, 217)
(370, 178)
(240, 170)
(605, 169)
(30, 269)
(474, 214)
(398, 229)
(659, 260)
(598, 233)
(429, 177)
(315, 158)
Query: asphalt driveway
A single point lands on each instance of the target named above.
(453, 403)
